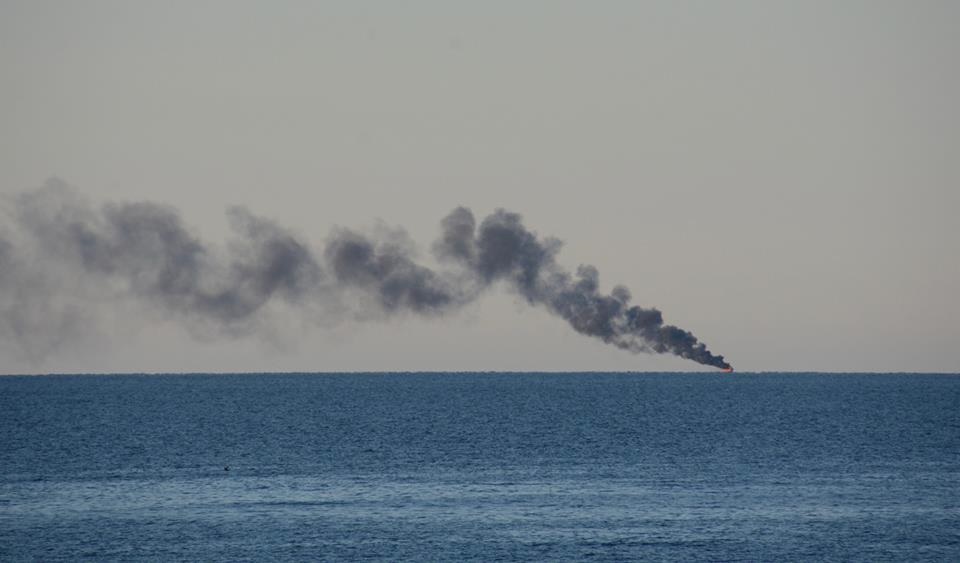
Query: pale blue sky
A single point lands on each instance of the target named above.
(780, 178)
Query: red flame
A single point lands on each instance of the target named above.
(728, 370)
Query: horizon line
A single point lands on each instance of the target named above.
(476, 372)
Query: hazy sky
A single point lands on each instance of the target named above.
(780, 178)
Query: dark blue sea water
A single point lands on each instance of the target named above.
(474, 466)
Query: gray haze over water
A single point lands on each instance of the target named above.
(778, 177)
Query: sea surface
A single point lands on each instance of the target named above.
(480, 466)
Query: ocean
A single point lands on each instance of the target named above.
(481, 466)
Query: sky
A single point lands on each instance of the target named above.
(779, 178)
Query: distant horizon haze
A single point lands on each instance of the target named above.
(779, 179)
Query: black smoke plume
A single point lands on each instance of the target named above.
(60, 257)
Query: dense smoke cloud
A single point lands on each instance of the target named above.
(60, 257)
(502, 248)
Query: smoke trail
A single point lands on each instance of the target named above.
(502, 248)
(62, 256)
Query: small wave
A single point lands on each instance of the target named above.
(288, 503)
